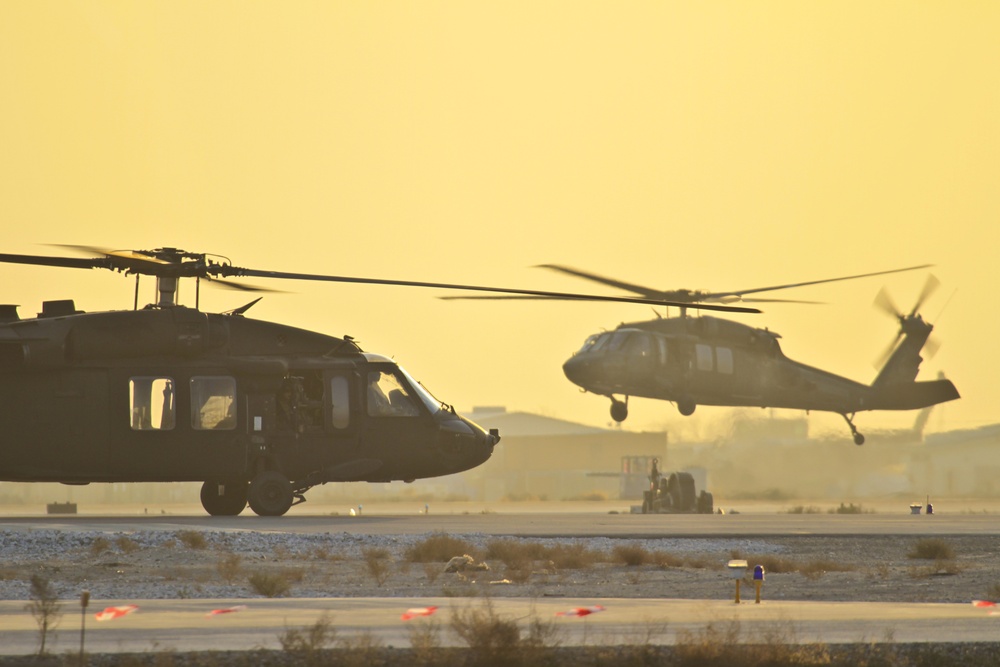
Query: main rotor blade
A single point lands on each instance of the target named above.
(610, 282)
(814, 282)
(242, 287)
(226, 270)
(67, 262)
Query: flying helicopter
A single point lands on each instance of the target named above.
(259, 412)
(705, 360)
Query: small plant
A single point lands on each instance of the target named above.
(432, 571)
(307, 644)
(99, 546)
(229, 567)
(495, 640)
(849, 509)
(425, 642)
(44, 607)
(574, 556)
(664, 559)
(631, 554)
(439, 547)
(932, 548)
(270, 585)
(802, 509)
(126, 545)
(192, 539)
(376, 561)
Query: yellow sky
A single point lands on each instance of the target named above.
(717, 145)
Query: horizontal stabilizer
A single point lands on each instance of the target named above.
(913, 395)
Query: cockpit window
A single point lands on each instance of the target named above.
(425, 396)
(589, 343)
(601, 341)
(618, 340)
(388, 397)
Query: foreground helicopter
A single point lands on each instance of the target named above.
(259, 412)
(710, 361)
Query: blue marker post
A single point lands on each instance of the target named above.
(758, 580)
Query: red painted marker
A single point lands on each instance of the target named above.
(418, 611)
(115, 612)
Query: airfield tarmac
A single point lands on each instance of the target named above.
(182, 624)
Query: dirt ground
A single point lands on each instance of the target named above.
(183, 565)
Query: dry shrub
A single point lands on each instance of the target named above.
(631, 554)
(664, 559)
(432, 571)
(815, 569)
(495, 640)
(701, 562)
(229, 567)
(425, 642)
(126, 545)
(44, 608)
(932, 548)
(307, 645)
(575, 556)
(99, 546)
(515, 553)
(376, 560)
(438, 548)
(361, 650)
(722, 645)
(270, 584)
(192, 539)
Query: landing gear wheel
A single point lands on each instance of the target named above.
(270, 494)
(858, 438)
(619, 410)
(706, 504)
(686, 406)
(674, 491)
(688, 498)
(227, 498)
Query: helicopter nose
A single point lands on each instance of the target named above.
(576, 369)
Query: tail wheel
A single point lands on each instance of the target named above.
(270, 494)
(619, 410)
(226, 498)
(688, 497)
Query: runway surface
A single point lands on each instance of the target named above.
(536, 524)
(183, 625)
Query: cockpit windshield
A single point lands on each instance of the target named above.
(426, 397)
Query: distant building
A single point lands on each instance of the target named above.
(546, 458)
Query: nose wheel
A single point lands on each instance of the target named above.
(858, 438)
(619, 409)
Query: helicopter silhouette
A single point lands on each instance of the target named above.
(259, 412)
(705, 360)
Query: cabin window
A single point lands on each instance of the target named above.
(703, 356)
(213, 403)
(662, 342)
(340, 396)
(152, 403)
(724, 360)
(387, 397)
(639, 346)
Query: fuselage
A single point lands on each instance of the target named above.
(175, 394)
(711, 361)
